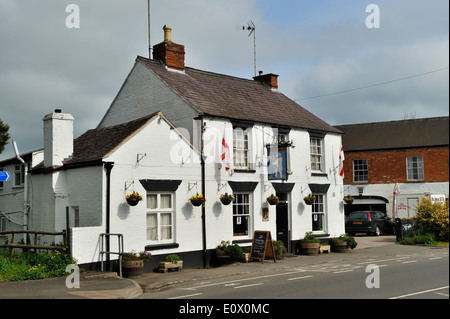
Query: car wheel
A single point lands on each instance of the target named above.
(377, 231)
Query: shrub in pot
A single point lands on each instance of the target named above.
(309, 245)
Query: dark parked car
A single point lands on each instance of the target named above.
(369, 222)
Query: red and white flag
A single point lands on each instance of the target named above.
(341, 161)
(226, 152)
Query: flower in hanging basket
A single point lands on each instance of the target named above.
(310, 199)
(348, 199)
(133, 198)
(226, 199)
(273, 200)
(197, 200)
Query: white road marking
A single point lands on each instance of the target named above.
(296, 278)
(245, 286)
(187, 296)
(419, 293)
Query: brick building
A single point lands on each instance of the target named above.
(412, 153)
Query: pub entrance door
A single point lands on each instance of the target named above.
(283, 220)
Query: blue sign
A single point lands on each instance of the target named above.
(4, 176)
(277, 164)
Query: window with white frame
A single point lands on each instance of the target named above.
(160, 217)
(240, 148)
(318, 211)
(360, 171)
(241, 214)
(316, 147)
(19, 175)
(415, 168)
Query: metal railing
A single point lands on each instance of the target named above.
(120, 252)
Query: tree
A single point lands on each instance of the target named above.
(4, 136)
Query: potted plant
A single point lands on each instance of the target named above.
(310, 199)
(280, 249)
(226, 199)
(133, 199)
(221, 249)
(324, 247)
(197, 200)
(172, 262)
(349, 199)
(309, 245)
(273, 200)
(246, 255)
(133, 263)
(343, 243)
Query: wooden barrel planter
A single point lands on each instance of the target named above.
(309, 248)
(340, 246)
(132, 268)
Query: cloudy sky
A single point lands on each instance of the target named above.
(328, 60)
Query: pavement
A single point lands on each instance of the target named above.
(101, 285)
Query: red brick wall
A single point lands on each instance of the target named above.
(389, 166)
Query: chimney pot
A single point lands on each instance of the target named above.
(167, 34)
(57, 110)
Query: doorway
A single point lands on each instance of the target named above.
(283, 219)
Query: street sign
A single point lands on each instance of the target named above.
(4, 176)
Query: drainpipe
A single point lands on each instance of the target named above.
(25, 190)
(202, 163)
(108, 167)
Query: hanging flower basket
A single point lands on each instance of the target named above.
(273, 200)
(349, 200)
(133, 199)
(197, 200)
(310, 199)
(226, 199)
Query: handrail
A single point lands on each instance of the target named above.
(120, 252)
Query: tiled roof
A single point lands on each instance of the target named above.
(235, 98)
(427, 132)
(96, 144)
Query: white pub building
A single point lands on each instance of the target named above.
(173, 132)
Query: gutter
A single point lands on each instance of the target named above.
(108, 167)
(202, 164)
(25, 190)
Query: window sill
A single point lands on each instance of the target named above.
(161, 246)
(242, 241)
(248, 171)
(319, 174)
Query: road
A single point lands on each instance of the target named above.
(390, 272)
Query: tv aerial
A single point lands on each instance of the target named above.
(252, 28)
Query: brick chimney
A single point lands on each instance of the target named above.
(168, 52)
(58, 138)
(270, 79)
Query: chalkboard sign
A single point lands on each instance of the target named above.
(262, 246)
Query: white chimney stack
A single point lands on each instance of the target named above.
(58, 138)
